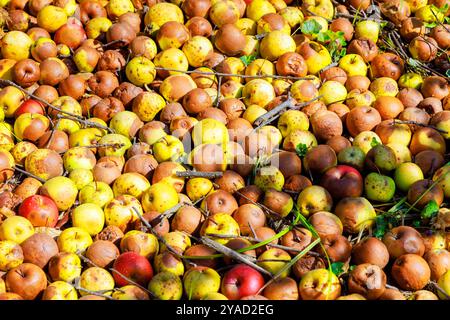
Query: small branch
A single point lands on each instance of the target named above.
(29, 174)
(145, 222)
(85, 122)
(244, 76)
(11, 83)
(106, 45)
(438, 288)
(199, 174)
(233, 254)
(418, 124)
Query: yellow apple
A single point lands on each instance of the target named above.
(199, 281)
(60, 290)
(74, 240)
(16, 229)
(159, 197)
(220, 223)
(90, 217)
(96, 279)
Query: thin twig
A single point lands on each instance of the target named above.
(29, 174)
(199, 174)
(233, 254)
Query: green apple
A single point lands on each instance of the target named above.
(406, 174)
(140, 71)
(353, 156)
(160, 197)
(292, 119)
(209, 131)
(166, 286)
(332, 92)
(382, 158)
(368, 29)
(353, 65)
(379, 187)
(96, 192)
(313, 199)
(168, 148)
(410, 80)
(199, 281)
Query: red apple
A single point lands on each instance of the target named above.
(40, 210)
(30, 106)
(241, 281)
(71, 34)
(134, 267)
(343, 181)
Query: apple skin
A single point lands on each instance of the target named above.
(30, 106)
(199, 281)
(379, 187)
(342, 181)
(40, 210)
(134, 267)
(241, 281)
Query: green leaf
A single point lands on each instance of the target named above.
(248, 59)
(301, 149)
(337, 268)
(447, 73)
(381, 226)
(374, 142)
(310, 27)
(352, 267)
(416, 223)
(430, 25)
(430, 210)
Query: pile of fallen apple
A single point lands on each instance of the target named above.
(224, 149)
